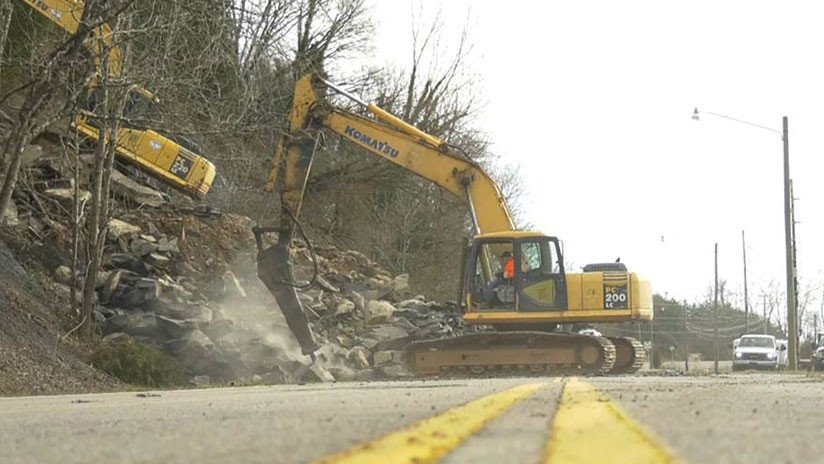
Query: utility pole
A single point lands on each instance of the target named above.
(686, 339)
(789, 242)
(795, 269)
(792, 315)
(746, 299)
(764, 303)
(651, 340)
(715, 309)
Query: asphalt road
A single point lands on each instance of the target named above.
(746, 417)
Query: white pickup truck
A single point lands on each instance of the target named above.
(817, 361)
(756, 352)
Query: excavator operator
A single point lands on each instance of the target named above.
(503, 278)
(508, 265)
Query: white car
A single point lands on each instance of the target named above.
(590, 332)
(756, 352)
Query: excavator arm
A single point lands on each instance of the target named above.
(67, 14)
(387, 137)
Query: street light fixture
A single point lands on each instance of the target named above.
(696, 113)
(789, 236)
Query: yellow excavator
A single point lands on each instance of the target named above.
(512, 280)
(173, 160)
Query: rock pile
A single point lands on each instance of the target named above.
(227, 328)
(183, 281)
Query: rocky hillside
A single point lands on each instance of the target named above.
(35, 355)
(181, 279)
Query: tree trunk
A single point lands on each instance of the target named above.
(21, 135)
(95, 242)
(93, 220)
(6, 9)
(111, 106)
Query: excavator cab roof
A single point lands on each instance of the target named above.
(512, 234)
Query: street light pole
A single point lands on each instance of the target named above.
(715, 310)
(789, 240)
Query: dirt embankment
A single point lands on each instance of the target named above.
(32, 362)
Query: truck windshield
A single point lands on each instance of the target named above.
(758, 342)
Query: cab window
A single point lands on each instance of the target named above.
(492, 283)
(538, 257)
(139, 111)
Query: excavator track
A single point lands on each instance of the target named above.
(630, 355)
(488, 353)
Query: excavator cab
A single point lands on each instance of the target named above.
(523, 271)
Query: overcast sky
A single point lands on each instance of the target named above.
(593, 101)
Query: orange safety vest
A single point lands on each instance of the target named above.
(509, 269)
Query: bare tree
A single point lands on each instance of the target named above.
(328, 30)
(111, 95)
(58, 73)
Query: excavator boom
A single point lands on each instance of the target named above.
(390, 139)
(67, 14)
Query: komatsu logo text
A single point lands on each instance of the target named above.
(369, 141)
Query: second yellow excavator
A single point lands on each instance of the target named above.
(512, 280)
(173, 160)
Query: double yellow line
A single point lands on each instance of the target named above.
(590, 428)
(587, 428)
(430, 439)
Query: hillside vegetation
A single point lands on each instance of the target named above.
(104, 257)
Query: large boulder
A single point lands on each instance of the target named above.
(141, 247)
(383, 358)
(360, 302)
(344, 307)
(63, 275)
(142, 324)
(200, 356)
(115, 320)
(400, 286)
(120, 229)
(129, 263)
(123, 186)
(260, 354)
(65, 196)
(167, 245)
(198, 312)
(135, 292)
(378, 311)
(158, 261)
(175, 328)
(358, 357)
